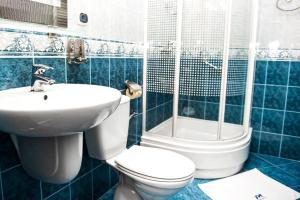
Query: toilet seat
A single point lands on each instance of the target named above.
(156, 183)
(155, 164)
(134, 174)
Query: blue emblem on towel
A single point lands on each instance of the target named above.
(259, 197)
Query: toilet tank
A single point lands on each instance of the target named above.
(110, 137)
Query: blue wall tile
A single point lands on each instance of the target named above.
(255, 141)
(131, 69)
(134, 106)
(272, 121)
(293, 99)
(275, 97)
(160, 98)
(258, 95)
(117, 70)
(100, 71)
(160, 114)
(151, 100)
(140, 71)
(294, 79)
(213, 99)
(78, 73)
(139, 126)
(139, 106)
(233, 114)
(260, 72)
(151, 119)
(168, 110)
(290, 147)
(292, 124)
(269, 144)
(212, 111)
(15, 72)
(278, 72)
(256, 118)
(279, 101)
(235, 100)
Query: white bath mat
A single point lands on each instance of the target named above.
(250, 185)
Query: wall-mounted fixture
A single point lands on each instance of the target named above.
(133, 90)
(83, 18)
(76, 53)
(50, 12)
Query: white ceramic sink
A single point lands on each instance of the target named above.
(63, 109)
(47, 127)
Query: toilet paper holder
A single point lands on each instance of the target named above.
(133, 90)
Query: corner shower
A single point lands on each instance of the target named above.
(198, 72)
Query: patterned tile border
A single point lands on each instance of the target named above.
(234, 53)
(14, 42)
(21, 43)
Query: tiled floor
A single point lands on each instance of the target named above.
(282, 170)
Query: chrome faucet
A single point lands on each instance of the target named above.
(38, 80)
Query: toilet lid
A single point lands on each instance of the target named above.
(156, 163)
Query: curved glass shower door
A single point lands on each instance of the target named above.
(201, 60)
(197, 69)
(205, 53)
(160, 57)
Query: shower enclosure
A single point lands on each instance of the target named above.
(198, 72)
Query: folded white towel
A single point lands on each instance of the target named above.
(250, 185)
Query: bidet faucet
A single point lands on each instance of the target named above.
(38, 80)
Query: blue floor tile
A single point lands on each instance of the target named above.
(292, 169)
(255, 162)
(191, 192)
(109, 195)
(281, 176)
(63, 194)
(297, 188)
(275, 160)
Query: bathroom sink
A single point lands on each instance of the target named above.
(47, 127)
(63, 109)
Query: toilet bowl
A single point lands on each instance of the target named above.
(145, 172)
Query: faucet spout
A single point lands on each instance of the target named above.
(45, 79)
(38, 80)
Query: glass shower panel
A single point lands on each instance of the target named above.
(237, 68)
(203, 27)
(161, 36)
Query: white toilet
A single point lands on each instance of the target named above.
(145, 172)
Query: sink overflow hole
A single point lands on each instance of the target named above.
(45, 97)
